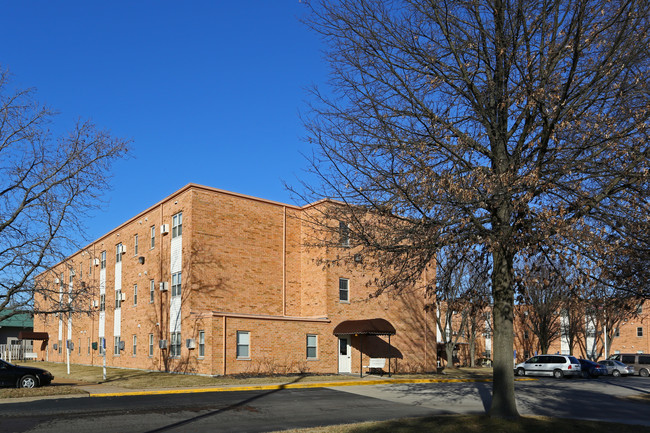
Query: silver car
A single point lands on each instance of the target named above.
(617, 368)
(549, 365)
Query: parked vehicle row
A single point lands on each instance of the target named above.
(567, 366)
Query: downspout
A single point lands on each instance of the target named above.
(224, 345)
(284, 262)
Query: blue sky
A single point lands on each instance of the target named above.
(209, 91)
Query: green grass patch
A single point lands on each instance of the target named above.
(477, 424)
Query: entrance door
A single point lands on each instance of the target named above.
(345, 355)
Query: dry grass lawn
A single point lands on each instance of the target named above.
(477, 424)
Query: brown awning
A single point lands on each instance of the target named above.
(365, 327)
(29, 335)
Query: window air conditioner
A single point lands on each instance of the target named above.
(164, 229)
(190, 343)
(57, 281)
(55, 346)
(95, 303)
(164, 286)
(123, 298)
(96, 262)
(123, 249)
(122, 345)
(162, 344)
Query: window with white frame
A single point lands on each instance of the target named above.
(152, 290)
(344, 290)
(135, 345)
(175, 347)
(639, 331)
(102, 343)
(103, 260)
(177, 225)
(176, 284)
(153, 237)
(201, 344)
(116, 349)
(118, 253)
(243, 344)
(88, 345)
(150, 345)
(118, 299)
(135, 245)
(102, 302)
(312, 346)
(59, 348)
(135, 294)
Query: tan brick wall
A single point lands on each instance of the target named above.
(241, 256)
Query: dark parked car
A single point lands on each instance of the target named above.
(617, 368)
(23, 377)
(592, 369)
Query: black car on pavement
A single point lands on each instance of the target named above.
(591, 369)
(23, 377)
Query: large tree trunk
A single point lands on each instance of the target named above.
(503, 388)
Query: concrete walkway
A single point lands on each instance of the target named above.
(114, 390)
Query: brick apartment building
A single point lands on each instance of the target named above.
(212, 282)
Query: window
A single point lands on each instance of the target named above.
(135, 245)
(102, 302)
(116, 350)
(243, 344)
(177, 225)
(81, 270)
(639, 331)
(639, 309)
(152, 290)
(525, 335)
(175, 349)
(59, 347)
(135, 344)
(79, 347)
(153, 237)
(312, 340)
(118, 253)
(344, 234)
(102, 344)
(344, 290)
(88, 345)
(135, 294)
(617, 333)
(201, 344)
(118, 299)
(103, 260)
(150, 345)
(176, 284)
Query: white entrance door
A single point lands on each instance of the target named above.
(345, 355)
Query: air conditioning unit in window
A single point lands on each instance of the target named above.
(164, 229)
(164, 286)
(95, 303)
(190, 343)
(123, 249)
(96, 262)
(72, 273)
(55, 346)
(123, 297)
(162, 344)
(122, 345)
(57, 281)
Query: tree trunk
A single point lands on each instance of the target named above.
(449, 350)
(503, 385)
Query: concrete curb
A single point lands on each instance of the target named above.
(289, 386)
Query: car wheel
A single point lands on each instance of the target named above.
(558, 374)
(521, 372)
(27, 382)
(616, 373)
(643, 372)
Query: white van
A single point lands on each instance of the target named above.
(549, 365)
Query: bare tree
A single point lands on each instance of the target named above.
(506, 124)
(47, 186)
(540, 290)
